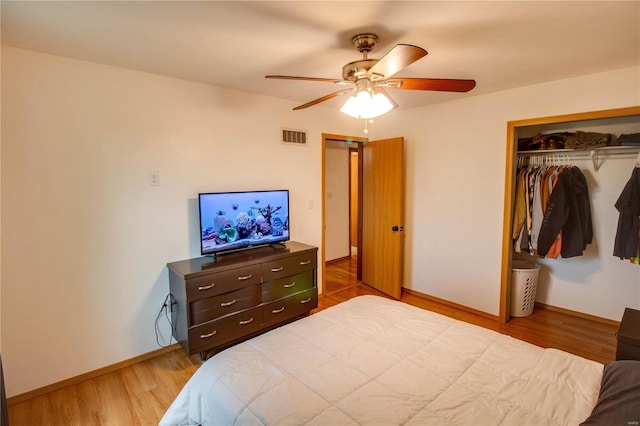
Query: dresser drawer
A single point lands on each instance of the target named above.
(222, 282)
(283, 287)
(203, 310)
(224, 330)
(288, 266)
(284, 309)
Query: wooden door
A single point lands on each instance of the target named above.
(383, 215)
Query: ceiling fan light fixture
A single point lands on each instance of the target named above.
(367, 104)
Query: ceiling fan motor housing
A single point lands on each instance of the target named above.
(356, 70)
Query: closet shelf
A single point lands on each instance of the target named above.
(594, 154)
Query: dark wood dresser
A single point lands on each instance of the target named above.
(629, 336)
(221, 301)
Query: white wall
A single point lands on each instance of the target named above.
(455, 183)
(85, 239)
(337, 200)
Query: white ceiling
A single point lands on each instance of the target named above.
(234, 44)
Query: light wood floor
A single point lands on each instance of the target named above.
(548, 328)
(140, 394)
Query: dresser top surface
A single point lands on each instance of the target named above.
(203, 265)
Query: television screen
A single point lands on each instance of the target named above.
(236, 220)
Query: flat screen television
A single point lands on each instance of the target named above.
(237, 220)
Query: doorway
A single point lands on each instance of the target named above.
(354, 201)
(380, 211)
(342, 199)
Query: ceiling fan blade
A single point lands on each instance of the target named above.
(322, 99)
(291, 77)
(401, 56)
(439, 84)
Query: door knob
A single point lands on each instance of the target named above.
(395, 228)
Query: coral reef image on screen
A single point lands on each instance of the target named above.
(234, 220)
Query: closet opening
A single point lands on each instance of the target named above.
(593, 284)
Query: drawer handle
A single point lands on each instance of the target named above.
(277, 311)
(306, 301)
(277, 269)
(245, 277)
(305, 262)
(228, 303)
(206, 287)
(206, 336)
(290, 285)
(250, 320)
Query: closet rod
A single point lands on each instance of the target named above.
(593, 154)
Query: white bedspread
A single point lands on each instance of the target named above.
(374, 361)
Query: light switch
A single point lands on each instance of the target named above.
(154, 179)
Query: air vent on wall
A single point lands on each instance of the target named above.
(294, 137)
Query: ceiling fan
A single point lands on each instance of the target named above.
(372, 76)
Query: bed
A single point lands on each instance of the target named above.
(375, 361)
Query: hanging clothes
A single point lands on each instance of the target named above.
(520, 211)
(523, 219)
(552, 214)
(569, 211)
(636, 260)
(523, 214)
(628, 204)
(537, 211)
(554, 250)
